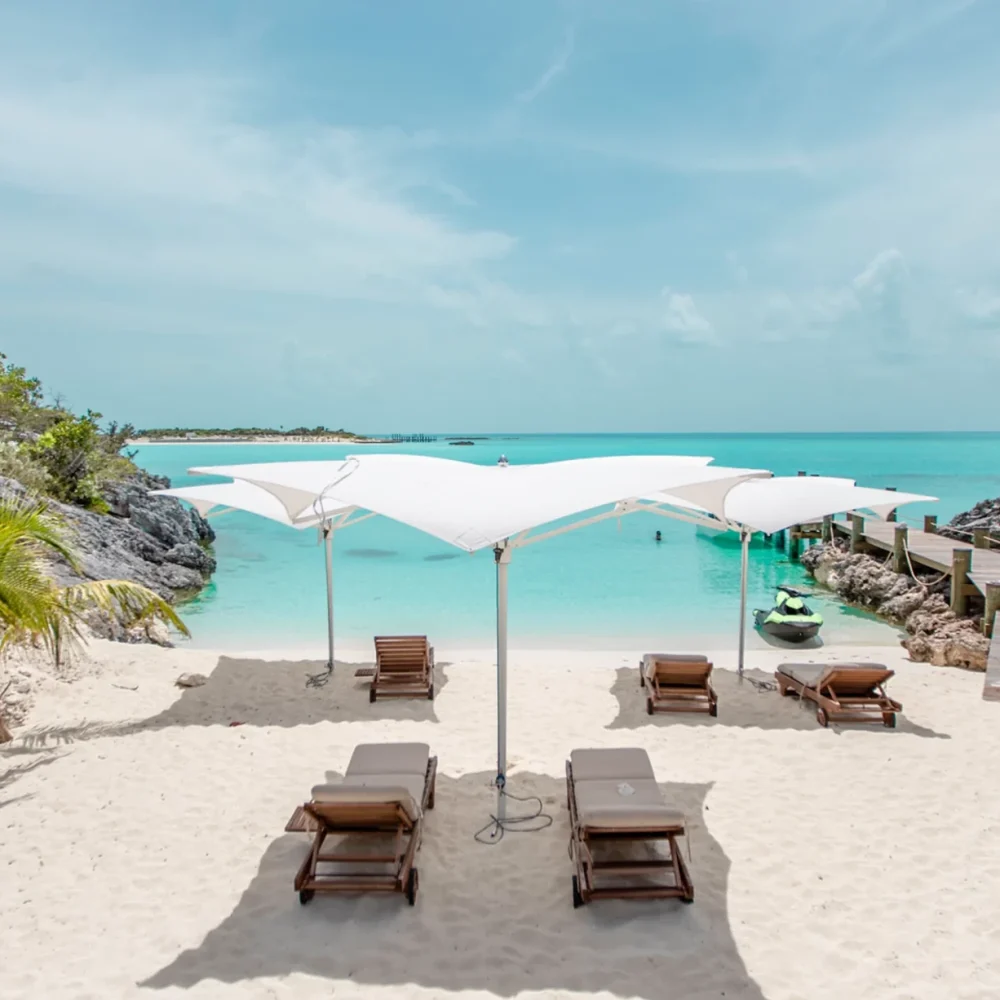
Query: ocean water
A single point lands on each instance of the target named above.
(607, 585)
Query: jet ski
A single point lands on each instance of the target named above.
(790, 619)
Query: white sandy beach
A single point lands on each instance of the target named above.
(144, 855)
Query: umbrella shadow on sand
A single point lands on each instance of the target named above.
(494, 918)
(262, 693)
(753, 703)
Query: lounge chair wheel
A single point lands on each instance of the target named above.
(821, 717)
(713, 711)
(411, 887)
(371, 695)
(688, 899)
(305, 895)
(578, 900)
(649, 706)
(889, 720)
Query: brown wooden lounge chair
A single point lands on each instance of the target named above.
(404, 667)
(614, 804)
(383, 797)
(843, 692)
(678, 683)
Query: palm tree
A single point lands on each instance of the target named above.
(33, 609)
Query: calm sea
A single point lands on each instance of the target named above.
(607, 585)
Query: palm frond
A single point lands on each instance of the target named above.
(130, 602)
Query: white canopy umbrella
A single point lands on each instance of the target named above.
(327, 516)
(771, 505)
(474, 507)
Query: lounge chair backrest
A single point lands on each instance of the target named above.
(402, 653)
(618, 763)
(688, 672)
(854, 680)
(389, 758)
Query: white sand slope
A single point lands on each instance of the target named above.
(142, 851)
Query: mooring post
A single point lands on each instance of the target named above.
(827, 528)
(899, 543)
(981, 538)
(794, 542)
(891, 516)
(779, 540)
(992, 607)
(930, 524)
(857, 533)
(961, 561)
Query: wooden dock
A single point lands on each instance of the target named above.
(973, 568)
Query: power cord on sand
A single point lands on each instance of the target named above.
(532, 822)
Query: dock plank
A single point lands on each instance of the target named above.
(930, 550)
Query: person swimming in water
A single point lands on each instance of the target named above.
(659, 537)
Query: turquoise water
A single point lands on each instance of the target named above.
(606, 584)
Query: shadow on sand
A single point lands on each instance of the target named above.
(492, 918)
(261, 693)
(752, 704)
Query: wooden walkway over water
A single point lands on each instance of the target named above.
(973, 568)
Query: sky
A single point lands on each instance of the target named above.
(670, 215)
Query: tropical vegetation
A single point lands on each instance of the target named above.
(54, 452)
(244, 432)
(34, 609)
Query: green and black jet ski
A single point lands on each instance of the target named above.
(790, 619)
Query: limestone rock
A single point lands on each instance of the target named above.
(985, 514)
(191, 555)
(150, 540)
(191, 680)
(936, 634)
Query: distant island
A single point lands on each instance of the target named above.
(259, 435)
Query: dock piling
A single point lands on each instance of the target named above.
(930, 524)
(992, 607)
(899, 543)
(828, 529)
(857, 533)
(980, 538)
(961, 562)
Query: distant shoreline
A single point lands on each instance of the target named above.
(262, 439)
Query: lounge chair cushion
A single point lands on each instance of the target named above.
(812, 674)
(389, 758)
(354, 795)
(617, 764)
(623, 805)
(413, 783)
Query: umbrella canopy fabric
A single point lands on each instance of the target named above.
(479, 506)
(252, 499)
(769, 505)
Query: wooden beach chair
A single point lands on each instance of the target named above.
(404, 667)
(379, 805)
(616, 813)
(843, 692)
(678, 683)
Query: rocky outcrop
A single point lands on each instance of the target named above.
(985, 515)
(935, 634)
(152, 540)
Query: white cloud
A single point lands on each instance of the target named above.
(682, 318)
(558, 66)
(132, 180)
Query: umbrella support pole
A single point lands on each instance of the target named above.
(502, 555)
(744, 566)
(328, 540)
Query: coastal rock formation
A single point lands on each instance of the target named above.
(151, 540)
(985, 515)
(935, 633)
